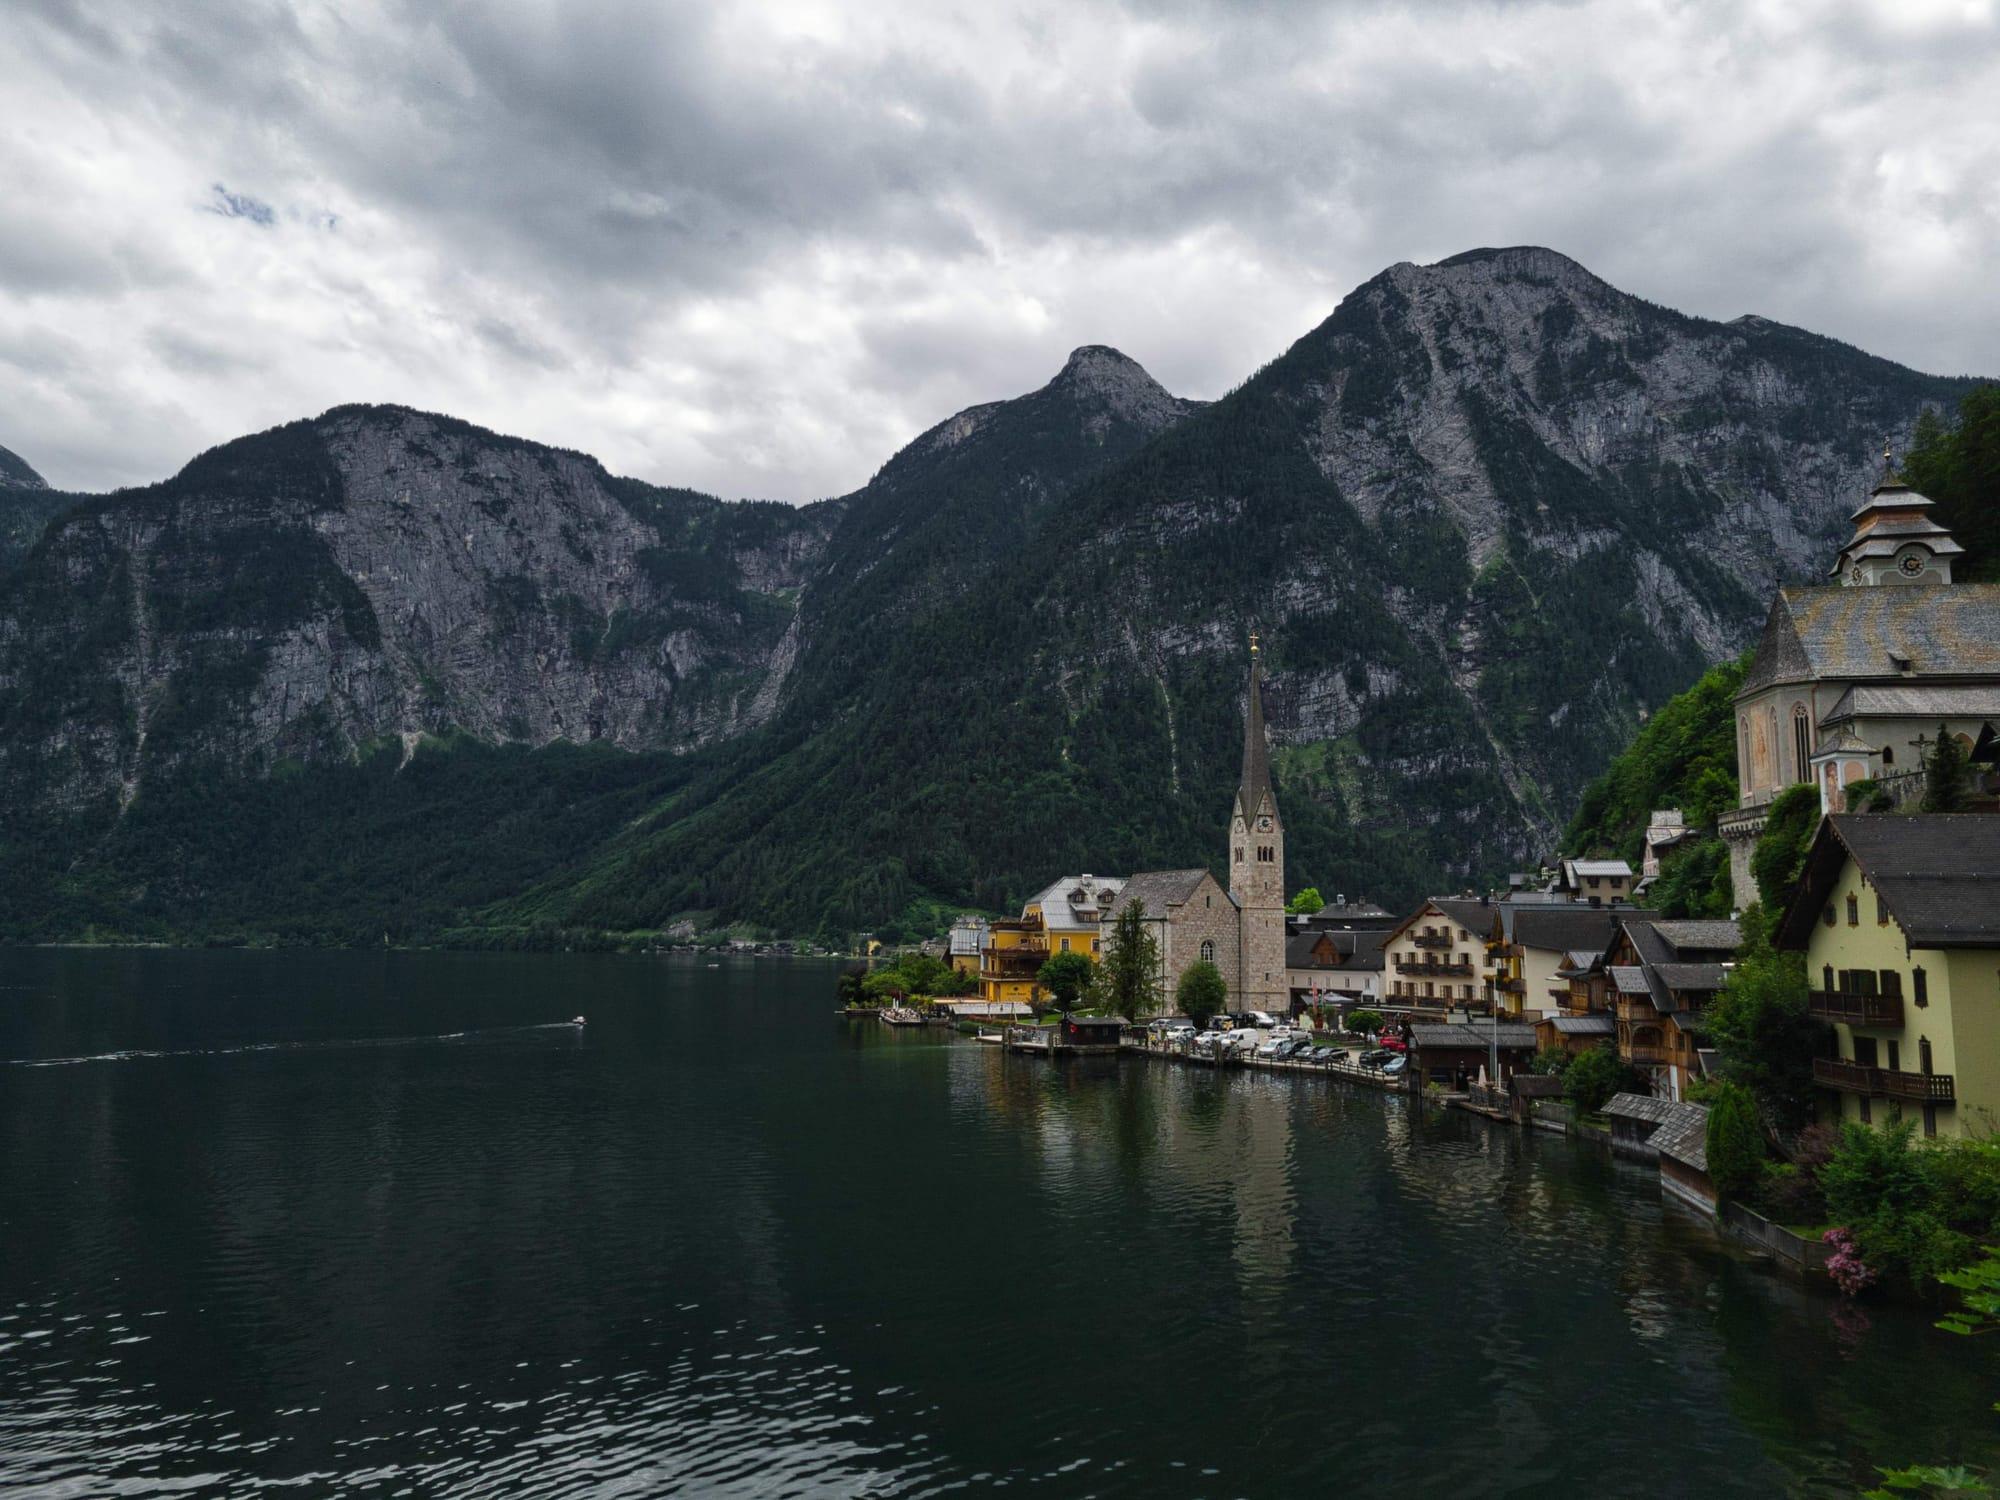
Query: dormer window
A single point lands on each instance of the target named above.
(1901, 663)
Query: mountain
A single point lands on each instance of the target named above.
(26, 504)
(1487, 515)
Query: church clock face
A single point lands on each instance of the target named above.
(1912, 565)
(1263, 825)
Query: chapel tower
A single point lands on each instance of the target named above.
(1257, 867)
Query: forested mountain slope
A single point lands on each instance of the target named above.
(1486, 515)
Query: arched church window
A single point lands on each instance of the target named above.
(1801, 741)
(1208, 951)
(1888, 755)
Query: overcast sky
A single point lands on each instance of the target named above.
(755, 248)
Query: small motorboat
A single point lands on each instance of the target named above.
(576, 1021)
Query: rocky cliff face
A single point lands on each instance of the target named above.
(379, 572)
(16, 475)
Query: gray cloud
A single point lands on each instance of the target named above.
(754, 248)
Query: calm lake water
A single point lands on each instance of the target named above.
(369, 1223)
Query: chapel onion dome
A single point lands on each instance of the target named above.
(1895, 539)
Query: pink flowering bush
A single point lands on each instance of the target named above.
(1849, 1271)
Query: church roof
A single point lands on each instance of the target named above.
(1944, 700)
(1255, 790)
(1158, 891)
(1828, 632)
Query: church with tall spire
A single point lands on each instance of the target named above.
(1257, 862)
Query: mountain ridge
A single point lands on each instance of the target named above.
(1487, 513)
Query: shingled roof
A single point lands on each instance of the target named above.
(1563, 929)
(1254, 794)
(1509, 1034)
(1160, 890)
(1938, 874)
(1833, 632)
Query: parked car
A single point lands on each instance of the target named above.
(1329, 1055)
(1262, 1018)
(1395, 1065)
(1376, 1057)
(1394, 1043)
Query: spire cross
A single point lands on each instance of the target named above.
(1253, 643)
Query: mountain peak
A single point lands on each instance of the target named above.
(1115, 382)
(15, 474)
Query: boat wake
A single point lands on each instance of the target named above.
(330, 1044)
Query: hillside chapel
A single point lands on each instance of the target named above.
(1851, 679)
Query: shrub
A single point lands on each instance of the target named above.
(1735, 1142)
(1593, 1076)
(1550, 1063)
(1887, 1192)
(1066, 976)
(1365, 1020)
(1762, 1027)
(1781, 848)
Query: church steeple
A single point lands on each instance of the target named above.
(1253, 793)
(1895, 540)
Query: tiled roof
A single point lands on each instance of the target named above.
(1564, 928)
(1684, 1136)
(1834, 632)
(1692, 978)
(1628, 979)
(1938, 873)
(1509, 1034)
(1639, 1107)
(1597, 1023)
(1600, 867)
(1160, 890)
(1943, 700)
(1683, 936)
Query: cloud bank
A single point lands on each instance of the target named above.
(755, 248)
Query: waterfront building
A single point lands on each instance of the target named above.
(966, 941)
(1435, 959)
(1338, 965)
(1848, 677)
(1899, 920)
(1067, 916)
(1448, 1054)
(1527, 942)
(1585, 1014)
(1662, 976)
(1191, 918)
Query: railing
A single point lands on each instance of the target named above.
(1431, 939)
(1883, 1083)
(1432, 968)
(1647, 1052)
(1511, 985)
(1856, 1010)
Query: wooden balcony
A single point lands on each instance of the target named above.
(1507, 984)
(1013, 963)
(1883, 1083)
(1857, 1010)
(1647, 1054)
(1431, 968)
(1431, 939)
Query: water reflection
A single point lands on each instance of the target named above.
(722, 1244)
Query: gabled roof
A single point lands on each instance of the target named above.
(1831, 633)
(1600, 867)
(1597, 1023)
(1938, 874)
(1509, 1034)
(1639, 1107)
(1469, 912)
(1162, 890)
(1562, 929)
(1686, 937)
(1684, 1136)
(1629, 979)
(1359, 950)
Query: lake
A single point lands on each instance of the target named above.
(373, 1223)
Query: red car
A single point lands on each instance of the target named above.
(1393, 1042)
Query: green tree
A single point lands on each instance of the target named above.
(1735, 1141)
(1066, 976)
(1945, 767)
(1131, 965)
(1364, 1020)
(1760, 1025)
(1202, 992)
(1882, 1187)
(1781, 848)
(1958, 466)
(1306, 902)
(1694, 881)
(1593, 1076)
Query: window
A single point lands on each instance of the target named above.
(1065, 945)
(1920, 987)
(1826, 977)
(1825, 916)
(1895, 1055)
(1208, 951)
(1888, 755)
(1801, 741)
(1853, 911)
(1881, 911)
(1924, 1054)
(1892, 984)
(1239, 854)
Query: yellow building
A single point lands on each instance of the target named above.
(1065, 917)
(1899, 920)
